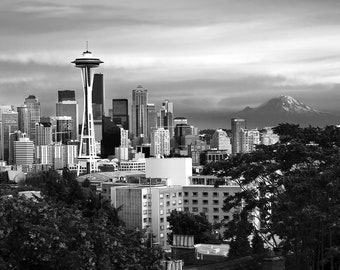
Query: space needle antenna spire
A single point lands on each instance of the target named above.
(87, 158)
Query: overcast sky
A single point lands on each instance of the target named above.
(208, 57)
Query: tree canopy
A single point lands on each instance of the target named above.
(290, 190)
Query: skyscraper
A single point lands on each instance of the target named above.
(23, 151)
(64, 95)
(33, 106)
(120, 112)
(152, 120)
(87, 149)
(236, 143)
(68, 106)
(220, 141)
(9, 125)
(24, 120)
(111, 137)
(43, 132)
(98, 96)
(166, 114)
(139, 125)
(160, 142)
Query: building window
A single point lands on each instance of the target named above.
(215, 202)
(161, 212)
(179, 209)
(215, 217)
(144, 196)
(145, 204)
(194, 202)
(161, 235)
(205, 194)
(205, 201)
(179, 194)
(226, 218)
(194, 194)
(204, 209)
(215, 194)
(186, 201)
(186, 194)
(186, 209)
(145, 219)
(179, 201)
(225, 194)
(216, 210)
(161, 196)
(173, 195)
(168, 211)
(168, 203)
(194, 209)
(167, 195)
(173, 202)
(145, 212)
(161, 227)
(161, 204)
(161, 219)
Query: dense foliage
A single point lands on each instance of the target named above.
(71, 227)
(185, 223)
(291, 192)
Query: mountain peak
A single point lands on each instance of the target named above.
(288, 104)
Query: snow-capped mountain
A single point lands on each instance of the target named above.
(285, 109)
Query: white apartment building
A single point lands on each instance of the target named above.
(249, 139)
(137, 164)
(221, 141)
(23, 151)
(160, 142)
(268, 137)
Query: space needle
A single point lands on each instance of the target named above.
(87, 148)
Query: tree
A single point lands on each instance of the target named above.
(291, 191)
(185, 223)
(48, 235)
(257, 244)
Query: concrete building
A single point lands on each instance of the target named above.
(120, 113)
(24, 119)
(43, 132)
(160, 142)
(249, 139)
(139, 121)
(221, 141)
(23, 151)
(137, 164)
(176, 170)
(268, 137)
(33, 106)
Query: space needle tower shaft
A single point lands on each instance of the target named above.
(87, 148)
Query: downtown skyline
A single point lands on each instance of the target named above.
(224, 54)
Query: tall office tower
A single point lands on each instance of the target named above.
(111, 137)
(43, 133)
(160, 142)
(66, 95)
(139, 121)
(120, 112)
(64, 129)
(9, 125)
(181, 130)
(33, 106)
(87, 149)
(68, 106)
(249, 139)
(12, 138)
(124, 138)
(166, 115)
(152, 120)
(98, 96)
(23, 151)
(24, 119)
(180, 120)
(236, 125)
(5, 108)
(220, 141)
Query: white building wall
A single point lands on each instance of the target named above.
(176, 170)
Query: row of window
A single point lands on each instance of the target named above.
(161, 204)
(167, 195)
(204, 210)
(204, 202)
(205, 194)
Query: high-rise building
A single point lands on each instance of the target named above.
(23, 151)
(220, 141)
(15, 136)
(9, 125)
(139, 111)
(98, 96)
(181, 130)
(111, 137)
(152, 120)
(64, 129)
(236, 125)
(87, 149)
(249, 139)
(43, 133)
(66, 95)
(24, 119)
(160, 142)
(33, 106)
(165, 117)
(68, 106)
(120, 112)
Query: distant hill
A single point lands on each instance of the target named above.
(285, 109)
